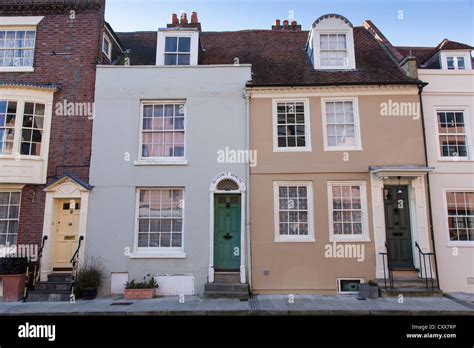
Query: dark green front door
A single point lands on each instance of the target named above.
(397, 226)
(227, 232)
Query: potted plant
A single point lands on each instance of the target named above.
(13, 273)
(369, 290)
(140, 290)
(88, 280)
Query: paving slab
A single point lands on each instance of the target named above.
(257, 305)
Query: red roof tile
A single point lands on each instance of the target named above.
(279, 58)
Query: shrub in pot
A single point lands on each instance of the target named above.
(140, 290)
(369, 290)
(13, 273)
(88, 280)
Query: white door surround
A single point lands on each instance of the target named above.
(419, 226)
(213, 189)
(65, 188)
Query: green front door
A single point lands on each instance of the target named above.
(227, 232)
(397, 225)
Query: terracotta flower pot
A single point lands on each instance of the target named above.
(13, 286)
(139, 294)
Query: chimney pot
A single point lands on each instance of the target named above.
(184, 19)
(174, 19)
(294, 23)
(285, 23)
(194, 18)
(277, 23)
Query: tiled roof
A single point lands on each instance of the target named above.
(423, 54)
(279, 58)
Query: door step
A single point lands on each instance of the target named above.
(56, 289)
(411, 292)
(226, 285)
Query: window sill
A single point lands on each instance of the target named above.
(157, 255)
(294, 240)
(292, 149)
(458, 159)
(17, 69)
(467, 244)
(342, 149)
(157, 162)
(349, 240)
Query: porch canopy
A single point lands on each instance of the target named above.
(403, 171)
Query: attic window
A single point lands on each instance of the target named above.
(106, 47)
(331, 43)
(333, 50)
(177, 50)
(455, 63)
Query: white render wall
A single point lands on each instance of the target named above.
(449, 89)
(215, 119)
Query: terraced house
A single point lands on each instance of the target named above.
(341, 175)
(170, 197)
(48, 54)
(448, 103)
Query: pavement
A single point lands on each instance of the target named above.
(348, 305)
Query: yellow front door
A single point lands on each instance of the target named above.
(67, 230)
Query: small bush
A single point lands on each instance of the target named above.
(145, 284)
(89, 276)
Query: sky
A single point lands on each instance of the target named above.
(403, 22)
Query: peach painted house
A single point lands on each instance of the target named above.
(341, 172)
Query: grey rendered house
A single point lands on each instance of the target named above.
(168, 200)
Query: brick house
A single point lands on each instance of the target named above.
(48, 56)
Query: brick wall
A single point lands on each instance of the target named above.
(67, 51)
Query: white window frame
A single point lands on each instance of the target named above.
(109, 52)
(364, 237)
(29, 23)
(13, 189)
(307, 125)
(454, 243)
(160, 160)
(357, 130)
(339, 288)
(21, 99)
(310, 238)
(320, 50)
(177, 32)
(467, 134)
(157, 252)
(455, 54)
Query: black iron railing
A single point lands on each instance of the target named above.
(387, 267)
(75, 264)
(37, 272)
(426, 268)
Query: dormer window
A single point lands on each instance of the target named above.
(455, 60)
(177, 50)
(178, 43)
(455, 63)
(331, 43)
(107, 47)
(333, 50)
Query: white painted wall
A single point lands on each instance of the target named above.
(449, 89)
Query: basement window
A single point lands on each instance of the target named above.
(348, 286)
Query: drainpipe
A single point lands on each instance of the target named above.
(422, 85)
(247, 179)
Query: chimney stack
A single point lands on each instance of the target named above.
(194, 18)
(286, 26)
(183, 19)
(174, 19)
(182, 22)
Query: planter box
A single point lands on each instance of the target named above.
(13, 287)
(368, 291)
(139, 294)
